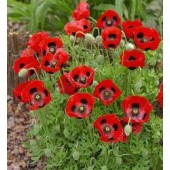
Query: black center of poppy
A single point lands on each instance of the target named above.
(109, 22)
(131, 58)
(83, 80)
(112, 36)
(85, 26)
(37, 97)
(107, 94)
(52, 50)
(135, 109)
(82, 109)
(140, 35)
(107, 129)
(111, 45)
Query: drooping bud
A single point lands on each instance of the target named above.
(100, 59)
(99, 40)
(23, 72)
(89, 38)
(76, 155)
(128, 129)
(130, 46)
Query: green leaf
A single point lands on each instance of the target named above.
(103, 7)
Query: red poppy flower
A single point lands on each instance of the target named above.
(107, 92)
(37, 41)
(130, 26)
(132, 59)
(80, 105)
(111, 37)
(136, 127)
(146, 38)
(81, 76)
(52, 63)
(65, 87)
(36, 95)
(78, 28)
(17, 91)
(137, 108)
(109, 128)
(108, 19)
(81, 11)
(52, 44)
(160, 95)
(27, 63)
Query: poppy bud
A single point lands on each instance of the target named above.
(100, 59)
(128, 129)
(104, 168)
(94, 84)
(76, 155)
(99, 40)
(90, 168)
(72, 38)
(47, 152)
(130, 46)
(66, 133)
(89, 38)
(23, 72)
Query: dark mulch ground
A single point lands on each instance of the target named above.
(19, 122)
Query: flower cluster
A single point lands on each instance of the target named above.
(47, 53)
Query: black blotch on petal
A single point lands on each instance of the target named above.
(140, 35)
(132, 68)
(135, 105)
(103, 121)
(111, 45)
(114, 18)
(21, 65)
(42, 105)
(44, 52)
(50, 72)
(111, 138)
(101, 89)
(83, 101)
(115, 127)
(146, 49)
(51, 44)
(32, 72)
(19, 97)
(76, 77)
(47, 63)
(46, 92)
(104, 18)
(73, 108)
(113, 89)
(144, 116)
(88, 73)
(73, 33)
(112, 36)
(33, 90)
(85, 26)
(132, 58)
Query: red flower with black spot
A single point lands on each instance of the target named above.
(80, 105)
(160, 95)
(65, 87)
(146, 38)
(37, 41)
(108, 19)
(137, 108)
(132, 59)
(130, 26)
(28, 62)
(78, 28)
(109, 128)
(52, 63)
(36, 95)
(81, 11)
(107, 92)
(111, 37)
(52, 44)
(18, 90)
(81, 76)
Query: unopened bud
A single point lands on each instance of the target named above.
(128, 129)
(130, 46)
(99, 40)
(23, 72)
(89, 38)
(76, 155)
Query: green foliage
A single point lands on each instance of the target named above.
(73, 144)
(52, 15)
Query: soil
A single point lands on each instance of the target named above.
(18, 123)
